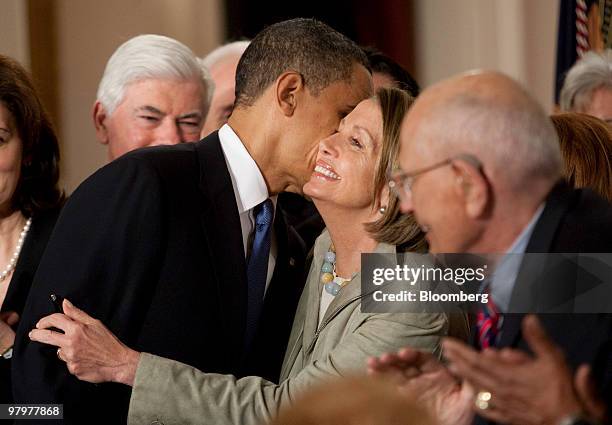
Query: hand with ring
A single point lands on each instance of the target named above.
(90, 350)
(516, 388)
(483, 400)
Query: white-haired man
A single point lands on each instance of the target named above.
(222, 63)
(588, 86)
(153, 92)
(481, 172)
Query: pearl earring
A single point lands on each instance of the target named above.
(382, 209)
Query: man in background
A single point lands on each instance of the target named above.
(388, 73)
(588, 86)
(153, 92)
(221, 63)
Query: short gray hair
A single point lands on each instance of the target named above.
(235, 48)
(592, 71)
(149, 56)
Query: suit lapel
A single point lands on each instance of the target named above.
(311, 320)
(296, 338)
(557, 204)
(222, 229)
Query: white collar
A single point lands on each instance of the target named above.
(249, 185)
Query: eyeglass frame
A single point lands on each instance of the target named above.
(401, 182)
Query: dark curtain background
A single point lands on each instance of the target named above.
(385, 24)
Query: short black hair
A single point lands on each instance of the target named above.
(37, 189)
(318, 52)
(379, 62)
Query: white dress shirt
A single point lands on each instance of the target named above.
(249, 188)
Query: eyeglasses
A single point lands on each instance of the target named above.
(400, 182)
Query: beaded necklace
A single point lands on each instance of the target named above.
(332, 282)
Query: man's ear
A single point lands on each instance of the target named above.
(99, 116)
(472, 186)
(288, 85)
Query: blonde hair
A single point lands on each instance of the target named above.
(394, 227)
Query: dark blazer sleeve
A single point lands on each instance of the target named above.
(103, 255)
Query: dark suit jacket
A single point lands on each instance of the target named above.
(573, 221)
(303, 216)
(151, 245)
(31, 253)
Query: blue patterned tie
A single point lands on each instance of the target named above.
(257, 269)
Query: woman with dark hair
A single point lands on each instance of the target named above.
(29, 199)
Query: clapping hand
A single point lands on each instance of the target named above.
(422, 378)
(524, 389)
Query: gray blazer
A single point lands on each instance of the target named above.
(170, 392)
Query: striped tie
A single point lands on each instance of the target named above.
(488, 323)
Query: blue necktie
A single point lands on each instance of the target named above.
(257, 269)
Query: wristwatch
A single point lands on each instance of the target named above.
(8, 353)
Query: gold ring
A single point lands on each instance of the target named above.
(59, 354)
(483, 400)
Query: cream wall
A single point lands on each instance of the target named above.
(14, 30)
(517, 37)
(88, 31)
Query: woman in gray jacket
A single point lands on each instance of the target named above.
(331, 336)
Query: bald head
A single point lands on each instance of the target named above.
(513, 160)
(222, 63)
(490, 116)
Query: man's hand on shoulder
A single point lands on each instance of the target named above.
(90, 350)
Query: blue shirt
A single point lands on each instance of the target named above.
(506, 272)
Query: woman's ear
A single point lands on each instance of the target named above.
(472, 187)
(383, 200)
(288, 86)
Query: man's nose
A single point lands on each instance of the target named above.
(406, 203)
(168, 133)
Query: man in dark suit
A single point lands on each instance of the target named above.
(481, 168)
(157, 243)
